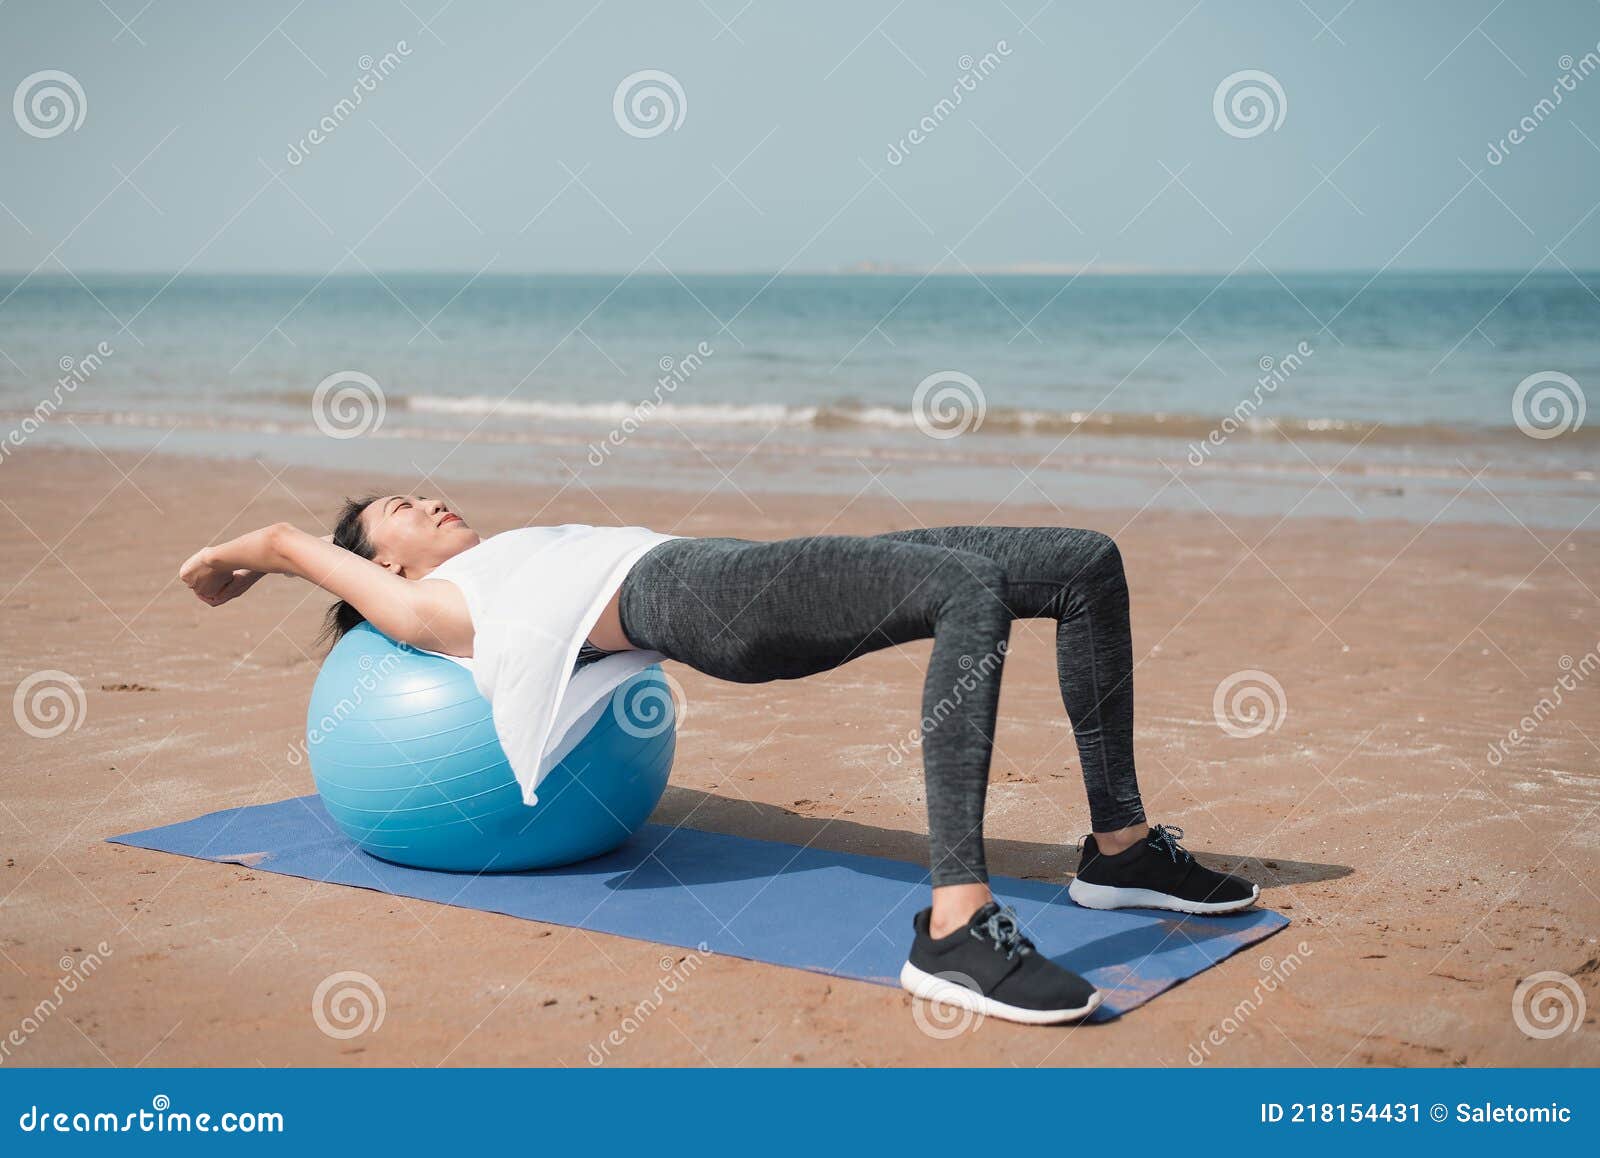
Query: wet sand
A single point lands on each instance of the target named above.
(1424, 879)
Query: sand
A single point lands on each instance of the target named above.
(1423, 879)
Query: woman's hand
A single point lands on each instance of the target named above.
(213, 583)
(226, 571)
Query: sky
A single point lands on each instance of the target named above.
(1091, 139)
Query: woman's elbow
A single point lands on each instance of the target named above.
(278, 538)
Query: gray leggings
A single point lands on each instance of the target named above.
(753, 611)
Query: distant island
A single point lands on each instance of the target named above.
(1036, 268)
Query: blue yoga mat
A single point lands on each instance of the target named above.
(830, 912)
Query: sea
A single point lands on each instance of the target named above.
(1420, 397)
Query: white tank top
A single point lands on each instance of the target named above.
(533, 595)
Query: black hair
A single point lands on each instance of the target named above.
(350, 533)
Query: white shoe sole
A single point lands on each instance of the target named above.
(931, 987)
(1092, 896)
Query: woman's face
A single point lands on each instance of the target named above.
(412, 535)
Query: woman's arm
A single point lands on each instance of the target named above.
(242, 580)
(426, 614)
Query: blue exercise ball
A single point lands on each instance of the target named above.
(403, 750)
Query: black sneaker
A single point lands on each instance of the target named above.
(1157, 873)
(989, 967)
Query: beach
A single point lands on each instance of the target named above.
(1429, 847)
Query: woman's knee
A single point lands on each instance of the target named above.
(1087, 569)
(1096, 557)
(1106, 548)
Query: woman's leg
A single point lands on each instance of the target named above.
(752, 611)
(1074, 577)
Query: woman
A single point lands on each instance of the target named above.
(752, 611)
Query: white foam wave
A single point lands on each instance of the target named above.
(617, 411)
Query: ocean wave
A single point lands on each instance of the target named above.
(511, 416)
(1365, 472)
(700, 414)
(996, 421)
(840, 416)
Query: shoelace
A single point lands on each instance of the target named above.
(1166, 837)
(1004, 932)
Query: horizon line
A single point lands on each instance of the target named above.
(1018, 269)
